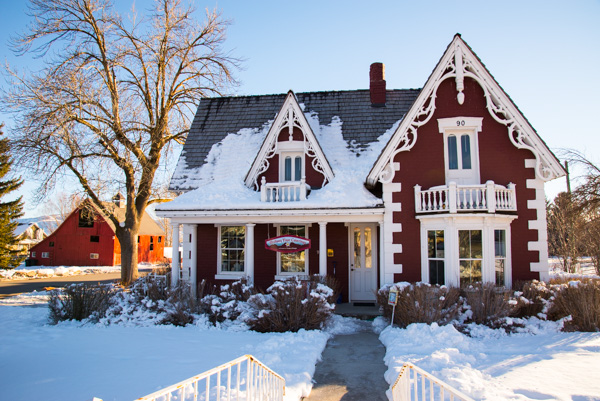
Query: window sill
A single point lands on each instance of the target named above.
(230, 276)
(287, 276)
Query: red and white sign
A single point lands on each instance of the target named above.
(287, 244)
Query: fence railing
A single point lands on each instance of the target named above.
(413, 383)
(453, 198)
(243, 379)
(291, 191)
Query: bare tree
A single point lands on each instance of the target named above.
(113, 97)
(60, 206)
(565, 224)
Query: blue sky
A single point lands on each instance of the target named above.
(545, 54)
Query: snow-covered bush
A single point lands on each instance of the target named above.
(579, 299)
(421, 303)
(150, 301)
(533, 299)
(290, 306)
(226, 303)
(488, 304)
(80, 301)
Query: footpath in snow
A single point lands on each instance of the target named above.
(351, 368)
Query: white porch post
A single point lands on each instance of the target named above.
(382, 253)
(323, 248)
(175, 262)
(189, 260)
(249, 245)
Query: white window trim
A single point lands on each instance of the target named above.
(293, 155)
(451, 226)
(285, 275)
(225, 275)
(94, 256)
(46, 255)
(460, 126)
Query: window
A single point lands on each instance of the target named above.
(138, 239)
(435, 254)
(51, 244)
(500, 256)
(86, 218)
(94, 256)
(293, 263)
(33, 254)
(233, 241)
(151, 239)
(45, 255)
(292, 168)
(470, 256)
(159, 239)
(94, 238)
(461, 148)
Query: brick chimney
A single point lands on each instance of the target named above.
(377, 84)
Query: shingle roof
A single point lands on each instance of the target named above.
(361, 123)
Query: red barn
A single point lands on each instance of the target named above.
(87, 238)
(443, 184)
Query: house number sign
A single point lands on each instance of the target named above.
(460, 123)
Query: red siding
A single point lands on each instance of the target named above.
(499, 161)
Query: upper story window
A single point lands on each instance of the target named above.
(461, 150)
(292, 168)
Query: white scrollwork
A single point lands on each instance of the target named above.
(264, 166)
(316, 162)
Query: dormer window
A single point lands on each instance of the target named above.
(292, 166)
(461, 150)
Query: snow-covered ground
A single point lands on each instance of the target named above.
(540, 363)
(23, 273)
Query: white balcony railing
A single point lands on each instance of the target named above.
(414, 384)
(243, 379)
(453, 198)
(290, 191)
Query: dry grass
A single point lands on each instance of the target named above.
(581, 300)
(80, 301)
(422, 303)
(489, 304)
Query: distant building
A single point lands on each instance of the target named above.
(28, 234)
(87, 238)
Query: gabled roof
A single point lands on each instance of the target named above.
(218, 117)
(290, 115)
(458, 62)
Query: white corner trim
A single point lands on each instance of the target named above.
(539, 224)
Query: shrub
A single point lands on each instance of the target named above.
(580, 300)
(80, 301)
(421, 303)
(225, 303)
(488, 304)
(290, 306)
(533, 299)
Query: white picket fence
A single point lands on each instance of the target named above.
(413, 384)
(243, 379)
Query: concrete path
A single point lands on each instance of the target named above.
(351, 369)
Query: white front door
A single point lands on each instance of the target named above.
(363, 262)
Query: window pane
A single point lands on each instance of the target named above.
(500, 243)
(232, 248)
(368, 249)
(293, 262)
(452, 153)
(435, 244)
(464, 244)
(297, 168)
(499, 271)
(436, 272)
(288, 169)
(357, 252)
(470, 271)
(465, 144)
(476, 244)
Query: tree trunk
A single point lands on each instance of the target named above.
(129, 255)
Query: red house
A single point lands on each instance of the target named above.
(87, 238)
(443, 184)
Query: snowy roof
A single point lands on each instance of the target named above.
(218, 117)
(46, 223)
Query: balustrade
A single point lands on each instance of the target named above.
(453, 198)
(289, 191)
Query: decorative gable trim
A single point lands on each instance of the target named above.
(290, 115)
(460, 62)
